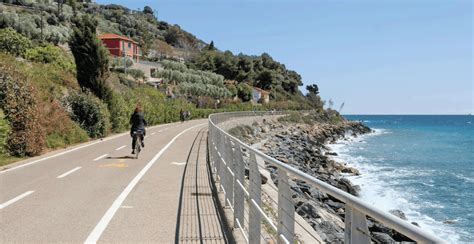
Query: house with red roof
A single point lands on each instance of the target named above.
(120, 46)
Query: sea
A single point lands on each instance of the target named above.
(420, 164)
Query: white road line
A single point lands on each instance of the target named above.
(105, 220)
(71, 150)
(160, 131)
(120, 148)
(69, 172)
(4, 205)
(101, 157)
(176, 163)
(153, 133)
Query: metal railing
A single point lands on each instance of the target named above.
(230, 158)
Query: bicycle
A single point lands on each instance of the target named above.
(138, 135)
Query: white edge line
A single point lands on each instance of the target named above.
(120, 148)
(105, 220)
(4, 205)
(69, 172)
(101, 157)
(71, 150)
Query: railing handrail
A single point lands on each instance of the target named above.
(389, 220)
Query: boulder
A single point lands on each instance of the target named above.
(383, 238)
(350, 170)
(335, 205)
(308, 209)
(398, 213)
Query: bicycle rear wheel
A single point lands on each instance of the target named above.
(137, 146)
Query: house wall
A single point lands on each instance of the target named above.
(118, 47)
(255, 95)
(147, 67)
(113, 46)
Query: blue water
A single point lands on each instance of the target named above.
(422, 165)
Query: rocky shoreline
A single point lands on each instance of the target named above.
(304, 146)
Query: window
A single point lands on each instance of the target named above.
(129, 45)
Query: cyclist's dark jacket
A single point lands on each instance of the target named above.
(138, 122)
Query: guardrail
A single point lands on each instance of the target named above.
(230, 158)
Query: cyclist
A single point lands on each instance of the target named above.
(182, 115)
(138, 123)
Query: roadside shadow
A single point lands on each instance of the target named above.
(122, 157)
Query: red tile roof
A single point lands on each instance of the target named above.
(115, 36)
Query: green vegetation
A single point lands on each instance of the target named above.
(261, 71)
(52, 96)
(50, 54)
(4, 129)
(90, 112)
(322, 116)
(194, 82)
(13, 43)
(18, 100)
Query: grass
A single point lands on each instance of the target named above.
(7, 159)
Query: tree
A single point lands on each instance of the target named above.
(211, 46)
(244, 92)
(172, 36)
(73, 5)
(313, 89)
(147, 10)
(265, 80)
(90, 56)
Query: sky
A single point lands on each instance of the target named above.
(378, 57)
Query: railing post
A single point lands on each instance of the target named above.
(356, 230)
(286, 209)
(216, 146)
(229, 181)
(255, 219)
(239, 195)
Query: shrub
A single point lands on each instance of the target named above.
(120, 112)
(90, 112)
(13, 42)
(60, 130)
(4, 130)
(75, 134)
(50, 54)
(18, 99)
(136, 73)
(244, 91)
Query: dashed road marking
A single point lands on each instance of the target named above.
(4, 205)
(101, 157)
(69, 172)
(120, 148)
(119, 165)
(176, 163)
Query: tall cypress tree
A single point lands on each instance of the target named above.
(91, 57)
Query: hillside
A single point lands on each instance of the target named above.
(41, 76)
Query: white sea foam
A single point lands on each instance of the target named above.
(377, 184)
(464, 178)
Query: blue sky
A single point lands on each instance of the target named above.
(379, 57)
